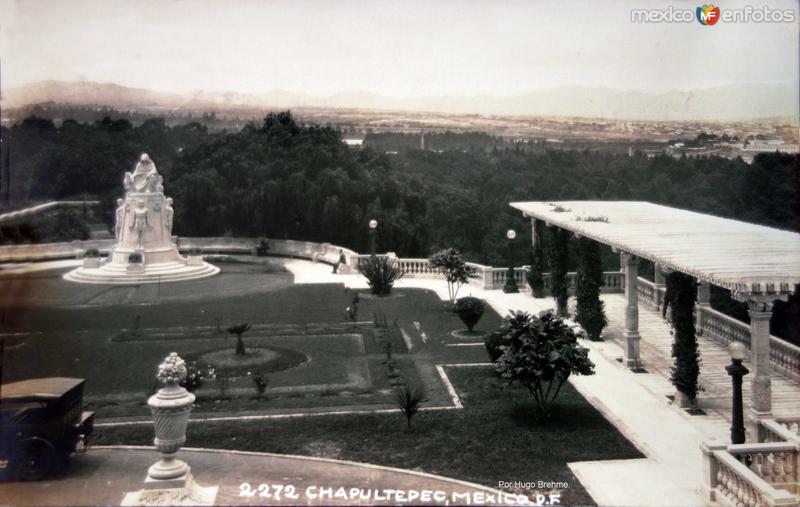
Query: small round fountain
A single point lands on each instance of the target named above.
(144, 251)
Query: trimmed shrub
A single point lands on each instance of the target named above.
(194, 377)
(493, 343)
(260, 382)
(381, 274)
(263, 248)
(239, 330)
(470, 310)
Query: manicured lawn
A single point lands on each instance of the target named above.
(116, 344)
(496, 437)
(104, 345)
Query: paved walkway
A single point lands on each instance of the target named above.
(636, 404)
(715, 399)
(103, 475)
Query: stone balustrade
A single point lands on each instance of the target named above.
(53, 251)
(774, 462)
(23, 214)
(779, 430)
(646, 292)
(723, 329)
(750, 475)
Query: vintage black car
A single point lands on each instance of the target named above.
(42, 422)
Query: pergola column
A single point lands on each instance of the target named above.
(760, 310)
(702, 304)
(630, 266)
(660, 284)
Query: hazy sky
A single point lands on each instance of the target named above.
(398, 47)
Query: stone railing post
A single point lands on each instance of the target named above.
(488, 278)
(710, 467)
(659, 284)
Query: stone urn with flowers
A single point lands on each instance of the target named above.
(170, 406)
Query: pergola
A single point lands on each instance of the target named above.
(757, 264)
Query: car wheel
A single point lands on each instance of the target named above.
(36, 460)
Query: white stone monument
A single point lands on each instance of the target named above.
(144, 251)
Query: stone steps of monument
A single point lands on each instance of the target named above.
(156, 273)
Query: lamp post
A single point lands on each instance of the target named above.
(511, 283)
(373, 229)
(737, 370)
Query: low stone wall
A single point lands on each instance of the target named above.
(322, 252)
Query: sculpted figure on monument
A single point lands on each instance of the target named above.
(127, 183)
(120, 216)
(140, 221)
(145, 178)
(168, 214)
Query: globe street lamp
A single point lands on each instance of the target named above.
(373, 229)
(511, 283)
(737, 370)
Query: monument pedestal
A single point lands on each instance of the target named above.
(179, 491)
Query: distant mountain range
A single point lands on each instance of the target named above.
(724, 103)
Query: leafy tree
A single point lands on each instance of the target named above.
(590, 314)
(450, 263)
(239, 330)
(541, 354)
(681, 296)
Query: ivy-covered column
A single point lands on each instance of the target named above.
(682, 292)
(630, 267)
(558, 260)
(535, 277)
(588, 280)
(760, 310)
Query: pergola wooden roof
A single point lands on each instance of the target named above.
(746, 258)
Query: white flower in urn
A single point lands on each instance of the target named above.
(172, 370)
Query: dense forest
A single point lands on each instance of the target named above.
(281, 179)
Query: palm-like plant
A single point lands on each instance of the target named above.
(381, 274)
(410, 400)
(239, 330)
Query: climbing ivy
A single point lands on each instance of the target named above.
(558, 259)
(681, 296)
(590, 314)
